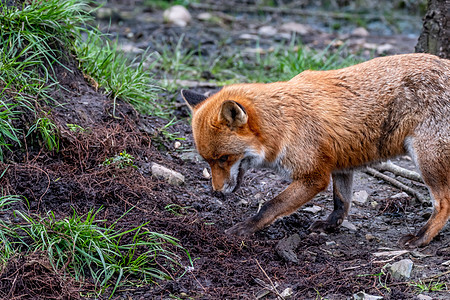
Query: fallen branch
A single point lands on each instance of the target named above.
(396, 183)
(399, 171)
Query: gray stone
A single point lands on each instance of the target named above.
(424, 297)
(286, 247)
(267, 30)
(301, 29)
(191, 156)
(401, 269)
(313, 209)
(360, 197)
(177, 15)
(348, 225)
(360, 31)
(400, 195)
(385, 48)
(172, 177)
(363, 296)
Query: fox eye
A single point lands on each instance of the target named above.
(223, 158)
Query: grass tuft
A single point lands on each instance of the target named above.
(84, 247)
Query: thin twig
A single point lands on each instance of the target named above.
(274, 289)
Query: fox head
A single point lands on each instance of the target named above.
(226, 136)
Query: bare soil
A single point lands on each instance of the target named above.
(331, 266)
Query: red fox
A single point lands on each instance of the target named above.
(323, 124)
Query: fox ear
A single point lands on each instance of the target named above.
(233, 113)
(192, 98)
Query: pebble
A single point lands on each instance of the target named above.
(286, 247)
(360, 197)
(424, 297)
(206, 174)
(313, 209)
(400, 195)
(370, 237)
(348, 225)
(301, 29)
(360, 31)
(401, 269)
(385, 48)
(204, 16)
(177, 15)
(171, 176)
(267, 31)
(363, 296)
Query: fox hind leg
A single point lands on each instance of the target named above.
(342, 198)
(432, 157)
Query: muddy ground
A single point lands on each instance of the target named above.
(283, 260)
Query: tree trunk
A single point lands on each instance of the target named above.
(435, 36)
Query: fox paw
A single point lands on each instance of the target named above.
(412, 241)
(323, 226)
(240, 229)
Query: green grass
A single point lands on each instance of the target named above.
(432, 286)
(86, 247)
(278, 64)
(33, 38)
(129, 80)
(41, 34)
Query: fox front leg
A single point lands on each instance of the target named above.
(342, 198)
(294, 196)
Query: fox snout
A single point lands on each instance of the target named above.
(227, 180)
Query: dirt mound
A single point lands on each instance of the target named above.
(32, 277)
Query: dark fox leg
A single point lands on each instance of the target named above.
(433, 159)
(295, 195)
(342, 198)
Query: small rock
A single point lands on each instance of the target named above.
(348, 225)
(177, 145)
(267, 30)
(360, 31)
(286, 293)
(301, 29)
(129, 48)
(313, 209)
(248, 36)
(400, 195)
(360, 197)
(382, 49)
(330, 243)
(206, 174)
(424, 297)
(401, 269)
(177, 15)
(363, 296)
(370, 237)
(172, 177)
(373, 204)
(286, 247)
(191, 156)
(204, 16)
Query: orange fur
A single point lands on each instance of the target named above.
(326, 123)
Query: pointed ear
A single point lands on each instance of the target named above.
(233, 114)
(192, 98)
